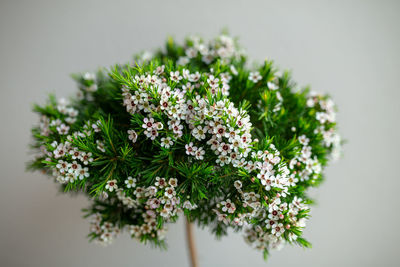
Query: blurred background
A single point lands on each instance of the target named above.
(349, 49)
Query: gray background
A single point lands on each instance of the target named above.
(347, 48)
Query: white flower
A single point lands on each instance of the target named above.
(62, 166)
(159, 126)
(303, 140)
(214, 143)
(62, 105)
(191, 52)
(292, 237)
(70, 120)
(139, 192)
(160, 182)
(274, 215)
(188, 205)
(69, 177)
(177, 129)
(208, 58)
(76, 154)
(152, 134)
(212, 81)
(228, 206)
(220, 131)
(130, 182)
(106, 238)
(301, 222)
(134, 230)
(60, 151)
(83, 173)
(132, 135)
(194, 77)
(96, 127)
(169, 192)
(272, 86)
(166, 142)
(151, 191)
(311, 102)
(63, 129)
(223, 160)
(129, 202)
(269, 223)
(190, 149)
(200, 132)
(159, 70)
(120, 193)
(277, 229)
(148, 124)
(199, 153)
(111, 185)
(322, 117)
(255, 76)
(145, 228)
(173, 182)
(88, 76)
(174, 111)
(221, 217)
(238, 221)
(225, 148)
(175, 76)
(182, 61)
(165, 213)
(237, 184)
(164, 104)
(86, 158)
(185, 73)
(266, 181)
(154, 203)
(74, 167)
(292, 180)
(136, 99)
(100, 146)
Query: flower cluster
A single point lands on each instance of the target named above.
(326, 116)
(71, 163)
(217, 125)
(104, 231)
(303, 166)
(222, 48)
(61, 125)
(224, 128)
(274, 177)
(281, 218)
(190, 131)
(158, 200)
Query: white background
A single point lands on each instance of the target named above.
(349, 49)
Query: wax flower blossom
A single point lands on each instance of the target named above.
(190, 131)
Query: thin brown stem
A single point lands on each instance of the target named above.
(191, 244)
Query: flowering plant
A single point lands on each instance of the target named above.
(190, 130)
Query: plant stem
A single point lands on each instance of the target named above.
(191, 244)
